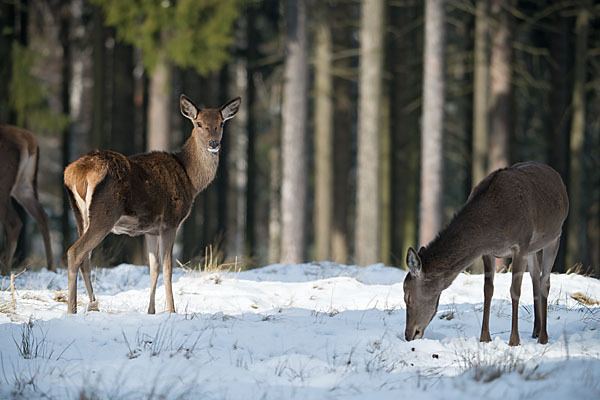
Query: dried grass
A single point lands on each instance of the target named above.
(584, 299)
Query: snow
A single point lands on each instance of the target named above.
(309, 331)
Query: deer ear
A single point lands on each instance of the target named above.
(188, 109)
(413, 262)
(229, 110)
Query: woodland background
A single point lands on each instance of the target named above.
(364, 124)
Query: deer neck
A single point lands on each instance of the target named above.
(454, 249)
(200, 164)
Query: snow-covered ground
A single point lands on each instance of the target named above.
(311, 331)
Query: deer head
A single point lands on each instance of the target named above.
(421, 297)
(208, 123)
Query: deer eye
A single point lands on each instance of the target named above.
(199, 124)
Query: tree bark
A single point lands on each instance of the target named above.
(576, 227)
(560, 116)
(430, 215)
(293, 187)
(324, 114)
(237, 163)
(368, 206)
(64, 34)
(252, 167)
(480, 94)
(500, 90)
(344, 122)
(158, 107)
(98, 134)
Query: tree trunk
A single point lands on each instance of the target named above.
(252, 167)
(237, 163)
(405, 47)
(430, 216)
(293, 187)
(158, 107)
(64, 34)
(480, 94)
(274, 207)
(122, 130)
(368, 206)
(500, 91)
(98, 137)
(560, 116)
(323, 215)
(576, 227)
(344, 122)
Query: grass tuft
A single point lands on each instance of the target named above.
(584, 299)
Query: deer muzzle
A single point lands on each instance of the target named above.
(214, 146)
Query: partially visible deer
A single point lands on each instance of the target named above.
(148, 194)
(514, 212)
(20, 154)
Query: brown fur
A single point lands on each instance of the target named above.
(514, 212)
(147, 194)
(18, 180)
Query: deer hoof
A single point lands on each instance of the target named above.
(485, 338)
(93, 306)
(514, 341)
(543, 338)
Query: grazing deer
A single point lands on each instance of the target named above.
(514, 212)
(20, 155)
(148, 194)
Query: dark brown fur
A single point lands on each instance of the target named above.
(515, 212)
(147, 194)
(18, 180)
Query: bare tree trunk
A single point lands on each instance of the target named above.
(237, 164)
(500, 91)
(480, 94)
(559, 117)
(158, 108)
(251, 103)
(481, 82)
(293, 187)
(65, 18)
(344, 121)
(385, 235)
(98, 134)
(430, 215)
(323, 215)
(274, 207)
(576, 227)
(368, 207)
(405, 128)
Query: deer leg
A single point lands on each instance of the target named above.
(26, 196)
(519, 264)
(85, 265)
(86, 273)
(167, 238)
(548, 257)
(100, 224)
(534, 271)
(488, 291)
(153, 262)
(13, 225)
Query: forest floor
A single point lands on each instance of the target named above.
(310, 331)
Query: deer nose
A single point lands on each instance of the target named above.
(214, 144)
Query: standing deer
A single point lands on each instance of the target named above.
(148, 194)
(514, 212)
(20, 155)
